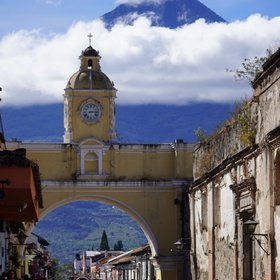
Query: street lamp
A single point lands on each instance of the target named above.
(179, 245)
(182, 245)
(183, 248)
(251, 224)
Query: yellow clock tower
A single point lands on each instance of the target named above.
(89, 102)
(148, 181)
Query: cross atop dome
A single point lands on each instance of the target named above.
(90, 51)
(89, 37)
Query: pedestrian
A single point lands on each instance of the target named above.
(12, 275)
(39, 276)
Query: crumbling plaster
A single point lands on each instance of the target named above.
(225, 160)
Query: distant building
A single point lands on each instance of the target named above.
(88, 264)
(132, 265)
(135, 264)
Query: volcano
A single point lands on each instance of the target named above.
(165, 13)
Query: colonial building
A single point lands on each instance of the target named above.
(132, 265)
(36, 256)
(146, 181)
(89, 263)
(235, 197)
(20, 201)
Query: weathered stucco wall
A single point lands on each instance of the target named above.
(277, 244)
(236, 170)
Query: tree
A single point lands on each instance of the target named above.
(104, 245)
(60, 271)
(201, 135)
(118, 246)
(251, 67)
(78, 256)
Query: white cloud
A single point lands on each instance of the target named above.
(147, 64)
(53, 2)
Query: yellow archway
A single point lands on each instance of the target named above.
(147, 181)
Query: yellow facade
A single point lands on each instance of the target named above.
(144, 180)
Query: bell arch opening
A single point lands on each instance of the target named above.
(90, 64)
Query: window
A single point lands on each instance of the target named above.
(204, 209)
(90, 64)
(217, 205)
(277, 178)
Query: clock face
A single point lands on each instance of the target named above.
(91, 112)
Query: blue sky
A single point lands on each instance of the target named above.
(40, 41)
(51, 16)
(58, 15)
(240, 9)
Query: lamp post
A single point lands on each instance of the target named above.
(264, 242)
(183, 248)
(180, 245)
(252, 224)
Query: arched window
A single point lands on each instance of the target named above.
(90, 64)
(91, 163)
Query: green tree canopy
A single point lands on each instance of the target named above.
(118, 246)
(104, 245)
(77, 257)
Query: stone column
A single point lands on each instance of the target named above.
(67, 119)
(168, 268)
